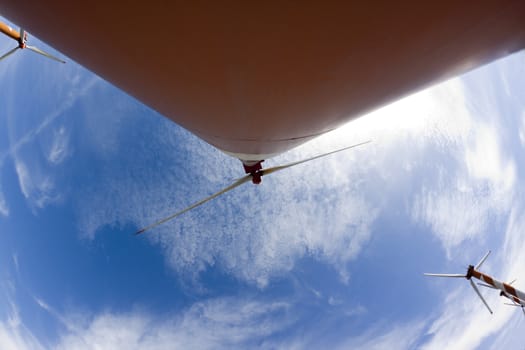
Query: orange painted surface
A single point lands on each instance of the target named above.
(262, 77)
(10, 32)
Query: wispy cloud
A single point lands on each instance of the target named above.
(4, 208)
(40, 189)
(215, 324)
(60, 147)
(16, 263)
(521, 130)
(400, 336)
(464, 322)
(14, 335)
(220, 323)
(36, 176)
(478, 182)
(47, 120)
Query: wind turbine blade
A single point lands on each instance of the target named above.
(479, 295)
(237, 183)
(487, 286)
(8, 53)
(282, 167)
(37, 50)
(445, 275)
(482, 261)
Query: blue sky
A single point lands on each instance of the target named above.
(324, 255)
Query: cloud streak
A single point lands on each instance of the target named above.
(14, 335)
(214, 324)
(37, 184)
(60, 147)
(479, 182)
(4, 208)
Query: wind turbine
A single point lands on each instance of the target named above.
(255, 175)
(515, 301)
(21, 38)
(506, 289)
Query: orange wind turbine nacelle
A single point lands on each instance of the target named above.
(255, 79)
(21, 40)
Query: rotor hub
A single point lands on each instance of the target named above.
(470, 272)
(253, 168)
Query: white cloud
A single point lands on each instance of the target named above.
(383, 335)
(401, 336)
(15, 263)
(17, 142)
(42, 304)
(287, 225)
(38, 188)
(215, 324)
(60, 148)
(509, 336)
(4, 209)
(14, 335)
(17, 338)
(465, 322)
(221, 323)
(521, 131)
(484, 160)
(462, 194)
(23, 179)
(37, 179)
(457, 213)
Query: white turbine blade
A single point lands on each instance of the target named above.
(482, 261)
(487, 286)
(37, 50)
(480, 296)
(229, 188)
(445, 275)
(9, 53)
(282, 167)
